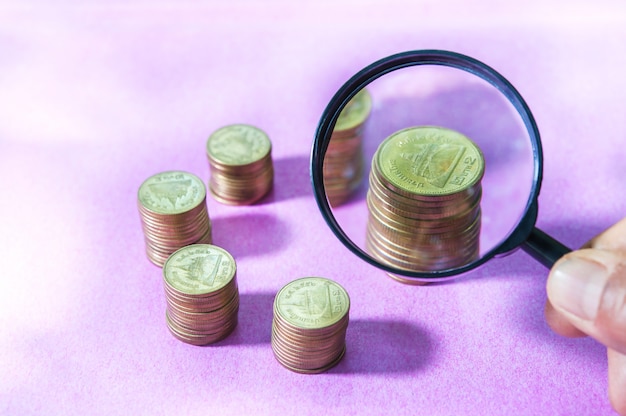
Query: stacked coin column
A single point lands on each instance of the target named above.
(173, 212)
(201, 292)
(309, 326)
(424, 200)
(240, 163)
(343, 162)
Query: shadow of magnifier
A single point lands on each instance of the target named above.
(428, 163)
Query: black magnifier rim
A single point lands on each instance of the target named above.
(415, 58)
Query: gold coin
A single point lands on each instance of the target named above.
(201, 294)
(171, 192)
(199, 339)
(433, 252)
(203, 301)
(355, 112)
(309, 343)
(430, 161)
(312, 303)
(300, 370)
(422, 263)
(424, 206)
(207, 311)
(419, 212)
(240, 163)
(238, 144)
(199, 269)
(343, 162)
(309, 326)
(173, 213)
(311, 333)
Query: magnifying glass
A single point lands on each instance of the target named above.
(427, 164)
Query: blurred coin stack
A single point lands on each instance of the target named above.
(173, 211)
(240, 162)
(343, 162)
(309, 326)
(201, 293)
(424, 200)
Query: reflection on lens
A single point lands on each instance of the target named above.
(424, 200)
(343, 164)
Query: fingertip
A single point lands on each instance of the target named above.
(611, 319)
(617, 381)
(560, 324)
(588, 288)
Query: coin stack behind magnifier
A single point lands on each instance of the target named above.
(424, 200)
(343, 163)
(201, 293)
(309, 326)
(240, 162)
(173, 211)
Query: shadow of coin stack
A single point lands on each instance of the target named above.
(424, 200)
(201, 293)
(240, 162)
(343, 162)
(173, 212)
(309, 326)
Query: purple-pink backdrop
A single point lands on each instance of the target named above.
(96, 97)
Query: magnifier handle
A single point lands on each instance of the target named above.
(543, 248)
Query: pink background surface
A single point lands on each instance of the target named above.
(96, 97)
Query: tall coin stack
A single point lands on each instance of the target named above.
(343, 162)
(424, 200)
(240, 161)
(201, 293)
(173, 211)
(309, 326)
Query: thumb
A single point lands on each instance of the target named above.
(588, 287)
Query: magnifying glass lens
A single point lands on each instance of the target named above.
(428, 171)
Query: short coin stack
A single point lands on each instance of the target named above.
(240, 161)
(173, 211)
(343, 162)
(424, 200)
(309, 326)
(201, 292)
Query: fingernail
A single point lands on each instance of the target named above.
(576, 286)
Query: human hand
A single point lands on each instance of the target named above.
(587, 296)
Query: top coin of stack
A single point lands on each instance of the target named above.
(240, 162)
(173, 211)
(424, 200)
(343, 162)
(309, 326)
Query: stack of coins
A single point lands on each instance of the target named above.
(309, 326)
(424, 200)
(343, 162)
(240, 161)
(201, 292)
(173, 211)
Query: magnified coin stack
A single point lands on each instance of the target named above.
(173, 211)
(240, 163)
(309, 326)
(424, 200)
(343, 163)
(201, 293)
